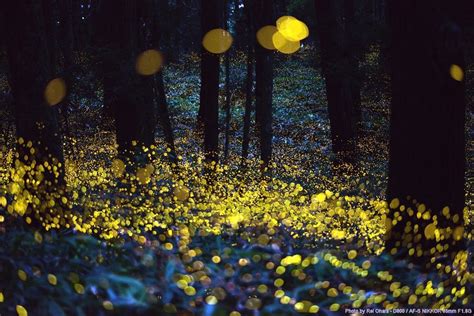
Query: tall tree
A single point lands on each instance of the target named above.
(263, 12)
(249, 80)
(228, 96)
(129, 95)
(67, 33)
(77, 24)
(340, 69)
(29, 73)
(51, 27)
(427, 142)
(66, 43)
(163, 113)
(211, 13)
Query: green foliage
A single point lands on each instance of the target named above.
(131, 277)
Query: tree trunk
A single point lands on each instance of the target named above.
(227, 88)
(248, 82)
(67, 44)
(354, 53)
(209, 97)
(77, 23)
(129, 95)
(163, 113)
(30, 71)
(50, 21)
(67, 34)
(427, 141)
(340, 71)
(264, 82)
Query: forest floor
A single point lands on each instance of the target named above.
(307, 239)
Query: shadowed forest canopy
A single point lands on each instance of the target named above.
(236, 157)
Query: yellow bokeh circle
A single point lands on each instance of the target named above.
(21, 311)
(55, 91)
(283, 45)
(265, 36)
(181, 192)
(292, 28)
(149, 62)
(456, 73)
(217, 41)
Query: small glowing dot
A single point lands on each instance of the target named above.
(334, 307)
(190, 291)
(352, 254)
(243, 262)
(52, 279)
(332, 292)
(79, 288)
(108, 305)
(22, 275)
(211, 300)
(313, 309)
(395, 203)
(181, 193)
(253, 303)
(118, 167)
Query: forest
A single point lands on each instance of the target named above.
(236, 157)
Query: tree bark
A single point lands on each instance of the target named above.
(67, 45)
(209, 96)
(77, 24)
(50, 21)
(249, 81)
(29, 72)
(340, 70)
(228, 113)
(129, 95)
(67, 33)
(427, 140)
(163, 112)
(264, 82)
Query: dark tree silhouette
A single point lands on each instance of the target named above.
(228, 97)
(67, 33)
(78, 24)
(211, 12)
(427, 142)
(249, 80)
(163, 113)
(129, 95)
(340, 69)
(263, 13)
(50, 15)
(66, 43)
(29, 72)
